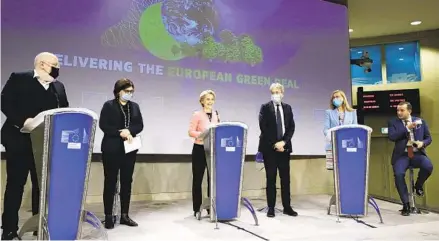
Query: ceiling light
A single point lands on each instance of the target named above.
(415, 22)
(351, 30)
(401, 59)
(401, 48)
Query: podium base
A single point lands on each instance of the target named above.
(265, 209)
(31, 225)
(245, 202)
(91, 219)
(370, 200)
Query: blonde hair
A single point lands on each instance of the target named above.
(204, 94)
(345, 104)
(277, 86)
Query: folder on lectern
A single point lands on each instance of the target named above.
(351, 148)
(62, 143)
(225, 148)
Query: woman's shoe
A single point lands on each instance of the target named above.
(124, 219)
(109, 224)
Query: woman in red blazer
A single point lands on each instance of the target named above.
(200, 121)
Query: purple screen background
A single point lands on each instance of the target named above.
(302, 40)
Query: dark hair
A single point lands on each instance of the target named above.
(409, 106)
(121, 84)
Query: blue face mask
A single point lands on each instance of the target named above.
(126, 97)
(337, 102)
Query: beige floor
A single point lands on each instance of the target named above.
(174, 221)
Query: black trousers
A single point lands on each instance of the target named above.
(35, 190)
(18, 165)
(113, 164)
(274, 161)
(199, 165)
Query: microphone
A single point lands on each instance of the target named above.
(217, 115)
(53, 90)
(57, 99)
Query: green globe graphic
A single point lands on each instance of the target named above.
(154, 36)
(176, 29)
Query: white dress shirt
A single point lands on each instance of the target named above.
(412, 134)
(43, 83)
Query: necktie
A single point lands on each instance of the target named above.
(409, 143)
(280, 133)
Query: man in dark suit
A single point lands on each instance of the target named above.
(411, 136)
(24, 95)
(277, 126)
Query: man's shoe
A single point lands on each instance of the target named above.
(270, 213)
(290, 212)
(405, 211)
(419, 191)
(124, 219)
(10, 236)
(109, 223)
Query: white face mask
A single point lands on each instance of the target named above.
(276, 98)
(126, 97)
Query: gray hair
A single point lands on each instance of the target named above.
(277, 86)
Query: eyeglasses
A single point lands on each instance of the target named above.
(56, 65)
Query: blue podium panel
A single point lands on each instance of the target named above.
(350, 170)
(228, 170)
(68, 157)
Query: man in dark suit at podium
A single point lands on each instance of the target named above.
(24, 95)
(277, 126)
(411, 136)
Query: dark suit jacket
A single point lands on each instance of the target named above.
(398, 134)
(111, 121)
(20, 100)
(267, 124)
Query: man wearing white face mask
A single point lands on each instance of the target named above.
(276, 122)
(24, 95)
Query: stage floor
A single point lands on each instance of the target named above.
(175, 221)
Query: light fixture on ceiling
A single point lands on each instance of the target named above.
(401, 59)
(351, 30)
(415, 23)
(401, 48)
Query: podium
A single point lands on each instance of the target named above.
(225, 148)
(350, 150)
(62, 143)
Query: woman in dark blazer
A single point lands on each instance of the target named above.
(120, 121)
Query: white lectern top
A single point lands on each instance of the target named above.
(39, 119)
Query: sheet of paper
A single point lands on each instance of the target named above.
(136, 144)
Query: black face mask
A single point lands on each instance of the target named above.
(54, 72)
